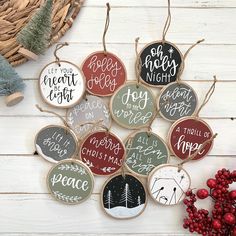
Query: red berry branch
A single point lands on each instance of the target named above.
(222, 220)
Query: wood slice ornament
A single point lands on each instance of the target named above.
(176, 101)
(123, 196)
(103, 152)
(90, 109)
(61, 83)
(161, 62)
(104, 72)
(167, 184)
(56, 143)
(186, 135)
(145, 151)
(70, 182)
(133, 105)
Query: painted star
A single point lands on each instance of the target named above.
(171, 51)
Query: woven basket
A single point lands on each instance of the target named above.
(14, 14)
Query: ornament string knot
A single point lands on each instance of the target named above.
(201, 147)
(58, 47)
(167, 24)
(207, 96)
(138, 63)
(106, 28)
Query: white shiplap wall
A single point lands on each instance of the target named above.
(25, 205)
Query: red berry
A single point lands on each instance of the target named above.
(234, 231)
(211, 183)
(229, 218)
(216, 224)
(232, 194)
(202, 193)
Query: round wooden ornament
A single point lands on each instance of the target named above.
(90, 109)
(61, 84)
(187, 135)
(145, 151)
(133, 105)
(167, 184)
(177, 100)
(56, 143)
(103, 152)
(70, 182)
(123, 196)
(161, 62)
(104, 73)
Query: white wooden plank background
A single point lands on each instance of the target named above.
(26, 208)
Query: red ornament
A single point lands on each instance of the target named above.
(216, 224)
(229, 218)
(104, 73)
(234, 231)
(222, 219)
(202, 193)
(102, 152)
(232, 194)
(211, 183)
(187, 134)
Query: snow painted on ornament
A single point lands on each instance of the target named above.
(123, 212)
(124, 197)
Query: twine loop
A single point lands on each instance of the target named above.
(207, 96)
(106, 28)
(138, 64)
(184, 58)
(58, 47)
(54, 113)
(167, 24)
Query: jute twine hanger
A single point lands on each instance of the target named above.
(201, 147)
(184, 58)
(138, 63)
(106, 28)
(95, 123)
(167, 24)
(207, 97)
(54, 113)
(58, 47)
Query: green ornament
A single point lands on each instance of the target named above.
(145, 151)
(70, 182)
(133, 106)
(35, 36)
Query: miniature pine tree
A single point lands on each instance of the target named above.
(11, 85)
(126, 196)
(109, 199)
(35, 36)
(139, 201)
